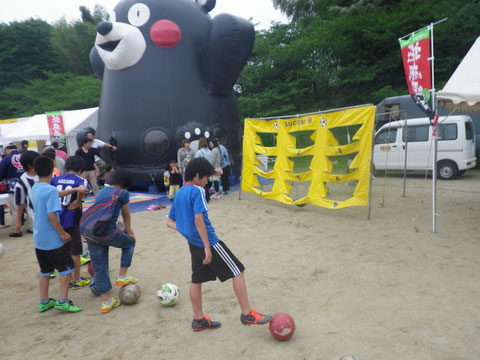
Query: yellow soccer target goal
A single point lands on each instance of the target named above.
(321, 158)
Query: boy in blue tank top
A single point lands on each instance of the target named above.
(211, 258)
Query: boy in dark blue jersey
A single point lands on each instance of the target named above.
(72, 212)
(211, 258)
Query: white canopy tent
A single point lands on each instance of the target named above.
(36, 128)
(462, 91)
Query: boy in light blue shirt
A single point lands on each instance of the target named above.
(50, 239)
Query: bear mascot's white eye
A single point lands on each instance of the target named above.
(138, 14)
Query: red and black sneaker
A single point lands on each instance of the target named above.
(255, 318)
(205, 323)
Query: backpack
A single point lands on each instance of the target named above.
(95, 221)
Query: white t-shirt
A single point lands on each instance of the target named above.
(97, 144)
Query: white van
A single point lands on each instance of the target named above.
(456, 145)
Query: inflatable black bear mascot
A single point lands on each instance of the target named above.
(167, 70)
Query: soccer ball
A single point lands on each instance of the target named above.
(168, 294)
(282, 326)
(349, 357)
(129, 294)
(2, 250)
(90, 268)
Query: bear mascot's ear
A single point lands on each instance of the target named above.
(207, 5)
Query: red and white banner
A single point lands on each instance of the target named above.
(55, 124)
(416, 54)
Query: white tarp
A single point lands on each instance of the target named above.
(36, 128)
(462, 91)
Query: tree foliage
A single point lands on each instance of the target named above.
(46, 67)
(338, 53)
(25, 51)
(334, 53)
(58, 91)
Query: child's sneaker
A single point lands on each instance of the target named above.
(205, 323)
(84, 260)
(67, 306)
(79, 284)
(44, 307)
(255, 318)
(106, 308)
(126, 280)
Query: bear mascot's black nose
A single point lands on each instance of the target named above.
(104, 27)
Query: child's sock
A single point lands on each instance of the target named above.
(108, 302)
(121, 276)
(44, 301)
(62, 300)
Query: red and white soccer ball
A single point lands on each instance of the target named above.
(282, 326)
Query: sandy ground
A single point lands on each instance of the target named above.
(375, 288)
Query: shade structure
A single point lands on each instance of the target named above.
(462, 91)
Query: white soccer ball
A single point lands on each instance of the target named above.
(2, 250)
(168, 294)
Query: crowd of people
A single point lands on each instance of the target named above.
(216, 154)
(45, 197)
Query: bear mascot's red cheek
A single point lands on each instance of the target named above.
(165, 33)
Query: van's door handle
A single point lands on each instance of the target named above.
(394, 146)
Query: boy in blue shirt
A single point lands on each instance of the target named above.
(121, 180)
(50, 239)
(72, 212)
(211, 258)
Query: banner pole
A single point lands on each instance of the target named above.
(434, 139)
(371, 172)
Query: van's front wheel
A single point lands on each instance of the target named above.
(447, 170)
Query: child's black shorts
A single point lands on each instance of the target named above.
(75, 246)
(224, 264)
(59, 259)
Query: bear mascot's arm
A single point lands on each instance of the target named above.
(97, 63)
(229, 46)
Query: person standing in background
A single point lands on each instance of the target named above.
(90, 172)
(226, 165)
(96, 146)
(204, 152)
(216, 165)
(184, 155)
(24, 146)
(11, 169)
(59, 152)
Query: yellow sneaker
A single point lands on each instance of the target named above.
(126, 280)
(106, 308)
(83, 260)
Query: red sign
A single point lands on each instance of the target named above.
(55, 124)
(416, 63)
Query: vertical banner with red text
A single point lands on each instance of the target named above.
(416, 63)
(56, 127)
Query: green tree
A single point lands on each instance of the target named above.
(71, 44)
(343, 53)
(57, 92)
(25, 51)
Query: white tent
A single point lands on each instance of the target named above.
(36, 128)
(462, 91)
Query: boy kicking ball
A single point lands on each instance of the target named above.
(211, 258)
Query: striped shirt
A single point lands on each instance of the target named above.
(23, 192)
